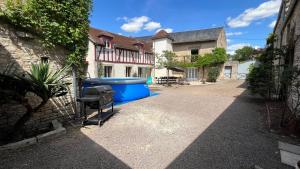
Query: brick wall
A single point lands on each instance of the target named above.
(22, 49)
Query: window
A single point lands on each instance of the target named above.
(106, 43)
(140, 72)
(144, 72)
(128, 71)
(194, 55)
(107, 71)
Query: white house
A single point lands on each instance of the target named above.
(113, 55)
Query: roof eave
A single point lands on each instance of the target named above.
(209, 40)
(292, 7)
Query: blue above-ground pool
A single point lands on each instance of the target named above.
(126, 89)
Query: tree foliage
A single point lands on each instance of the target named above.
(218, 56)
(244, 54)
(167, 59)
(261, 77)
(64, 23)
(213, 74)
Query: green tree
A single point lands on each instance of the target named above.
(218, 56)
(167, 60)
(57, 23)
(261, 77)
(244, 54)
(213, 74)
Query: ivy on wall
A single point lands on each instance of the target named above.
(218, 56)
(63, 23)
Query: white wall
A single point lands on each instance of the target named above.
(92, 67)
(119, 70)
(160, 45)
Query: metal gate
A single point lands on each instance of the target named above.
(227, 72)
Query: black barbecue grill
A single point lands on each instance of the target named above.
(97, 97)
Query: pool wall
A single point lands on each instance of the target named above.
(126, 89)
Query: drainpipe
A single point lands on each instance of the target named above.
(74, 83)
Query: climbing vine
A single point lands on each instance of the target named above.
(63, 23)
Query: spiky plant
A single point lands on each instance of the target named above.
(41, 81)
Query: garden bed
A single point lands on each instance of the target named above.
(279, 120)
(56, 130)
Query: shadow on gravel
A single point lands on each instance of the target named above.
(237, 139)
(74, 150)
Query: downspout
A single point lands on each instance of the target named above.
(74, 83)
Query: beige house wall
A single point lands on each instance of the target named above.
(222, 42)
(184, 49)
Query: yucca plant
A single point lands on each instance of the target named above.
(41, 81)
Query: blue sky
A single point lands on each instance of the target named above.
(246, 22)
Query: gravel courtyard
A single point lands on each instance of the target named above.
(205, 127)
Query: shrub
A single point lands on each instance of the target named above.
(213, 74)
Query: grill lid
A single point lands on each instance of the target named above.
(96, 90)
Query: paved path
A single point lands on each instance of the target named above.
(209, 127)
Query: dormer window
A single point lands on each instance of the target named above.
(142, 51)
(140, 47)
(107, 44)
(106, 39)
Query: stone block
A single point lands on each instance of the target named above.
(52, 134)
(19, 144)
(290, 154)
(56, 124)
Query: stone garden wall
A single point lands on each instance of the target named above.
(21, 49)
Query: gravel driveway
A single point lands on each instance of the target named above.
(210, 127)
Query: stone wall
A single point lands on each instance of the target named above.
(288, 34)
(21, 49)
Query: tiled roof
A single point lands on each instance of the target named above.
(161, 34)
(119, 40)
(191, 36)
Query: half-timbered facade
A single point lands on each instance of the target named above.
(113, 55)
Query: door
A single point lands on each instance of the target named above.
(192, 74)
(227, 72)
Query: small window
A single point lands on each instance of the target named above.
(107, 44)
(195, 52)
(128, 71)
(194, 55)
(107, 71)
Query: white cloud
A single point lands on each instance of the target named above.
(135, 24)
(168, 30)
(229, 40)
(232, 48)
(264, 10)
(234, 33)
(150, 26)
(124, 18)
(272, 24)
